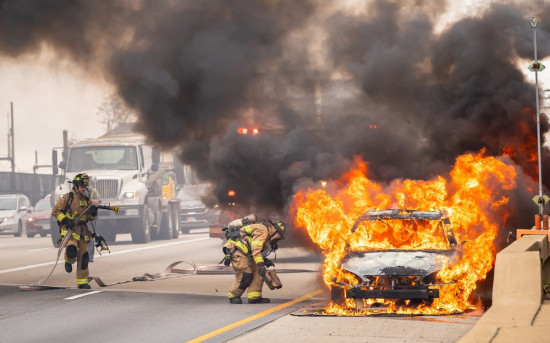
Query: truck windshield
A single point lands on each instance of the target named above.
(102, 158)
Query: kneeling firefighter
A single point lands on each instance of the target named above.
(70, 207)
(246, 240)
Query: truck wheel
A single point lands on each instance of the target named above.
(141, 233)
(176, 227)
(54, 230)
(165, 231)
(110, 236)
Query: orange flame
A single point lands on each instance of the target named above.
(474, 198)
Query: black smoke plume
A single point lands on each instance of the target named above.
(322, 84)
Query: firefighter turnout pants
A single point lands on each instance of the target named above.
(77, 251)
(246, 276)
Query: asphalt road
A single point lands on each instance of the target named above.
(182, 307)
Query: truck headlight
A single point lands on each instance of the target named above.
(130, 195)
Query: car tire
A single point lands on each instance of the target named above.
(43, 234)
(30, 235)
(141, 233)
(337, 295)
(19, 229)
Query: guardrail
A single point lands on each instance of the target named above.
(519, 312)
(35, 186)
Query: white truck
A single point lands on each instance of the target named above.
(128, 173)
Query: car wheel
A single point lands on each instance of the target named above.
(337, 295)
(141, 233)
(30, 235)
(43, 234)
(19, 229)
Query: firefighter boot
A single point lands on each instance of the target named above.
(84, 286)
(259, 300)
(235, 300)
(68, 267)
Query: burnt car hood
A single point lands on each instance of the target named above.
(397, 262)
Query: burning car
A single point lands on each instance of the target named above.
(404, 265)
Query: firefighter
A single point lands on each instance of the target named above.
(67, 209)
(244, 251)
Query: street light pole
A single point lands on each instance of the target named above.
(536, 69)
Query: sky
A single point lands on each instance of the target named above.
(48, 96)
(438, 78)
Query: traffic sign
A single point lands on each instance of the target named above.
(537, 66)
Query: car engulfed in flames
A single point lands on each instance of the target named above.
(364, 257)
(406, 269)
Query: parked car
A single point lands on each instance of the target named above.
(39, 221)
(406, 268)
(193, 212)
(14, 212)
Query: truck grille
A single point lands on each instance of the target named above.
(107, 189)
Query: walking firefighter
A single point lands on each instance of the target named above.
(73, 206)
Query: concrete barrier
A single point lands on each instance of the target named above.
(519, 312)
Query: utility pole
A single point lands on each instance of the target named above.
(11, 140)
(537, 66)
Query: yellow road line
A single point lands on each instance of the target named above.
(254, 317)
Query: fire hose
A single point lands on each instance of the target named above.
(38, 285)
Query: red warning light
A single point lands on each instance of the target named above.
(242, 130)
(231, 193)
(255, 132)
(372, 126)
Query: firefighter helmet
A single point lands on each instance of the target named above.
(81, 180)
(280, 227)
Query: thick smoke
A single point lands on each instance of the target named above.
(323, 84)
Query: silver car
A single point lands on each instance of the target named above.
(15, 209)
(395, 272)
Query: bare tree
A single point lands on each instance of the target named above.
(113, 112)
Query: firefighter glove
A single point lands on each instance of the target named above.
(93, 211)
(261, 269)
(227, 260)
(268, 263)
(274, 245)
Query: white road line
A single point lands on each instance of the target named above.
(82, 295)
(104, 255)
(39, 249)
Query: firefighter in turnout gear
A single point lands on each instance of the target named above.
(243, 250)
(69, 207)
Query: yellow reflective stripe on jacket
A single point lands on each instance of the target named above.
(77, 237)
(258, 243)
(247, 229)
(60, 217)
(254, 295)
(259, 259)
(81, 281)
(240, 246)
(64, 231)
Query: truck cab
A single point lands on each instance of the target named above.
(128, 173)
